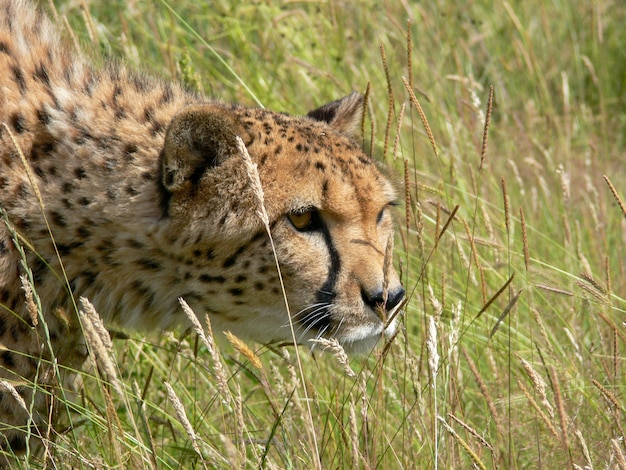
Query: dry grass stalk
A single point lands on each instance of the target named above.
(113, 426)
(542, 330)
(244, 349)
(584, 449)
(390, 97)
(617, 444)
(472, 431)
(554, 289)
(207, 340)
(608, 396)
(179, 409)
(6, 386)
(99, 342)
(386, 269)
(407, 198)
(437, 305)
(255, 181)
(218, 368)
(615, 194)
(366, 100)
(340, 354)
(539, 385)
(354, 437)
(27, 168)
(241, 425)
(483, 153)
(505, 312)
(396, 142)
(433, 365)
(474, 254)
(524, 239)
(409, 52)
(485, 393)
(539, 411)
(565, 182)
(195, 323)
(591, 280)
(146, 427)
(447, 224)
(607, 270)
(591, 289)
(619, 454)
(560, 407)
(31, 306)
(477, 462)
(422, 115)
(507, 212)
(495, 296)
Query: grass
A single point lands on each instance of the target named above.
(512, 243)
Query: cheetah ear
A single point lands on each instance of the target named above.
(198, 139)
(344, 115)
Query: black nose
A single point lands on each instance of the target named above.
(376, 300)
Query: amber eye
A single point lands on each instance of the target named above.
(303, 220)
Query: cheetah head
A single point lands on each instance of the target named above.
(329, 218)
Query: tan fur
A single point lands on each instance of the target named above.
(148, 200)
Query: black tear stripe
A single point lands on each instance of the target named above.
(327, 293)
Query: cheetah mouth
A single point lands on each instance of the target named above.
(362, 338)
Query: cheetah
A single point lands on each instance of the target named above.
(132, 192)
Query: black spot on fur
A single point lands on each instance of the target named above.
(41, 74)
(129, 151)
(58, 219)
(131, 191)
(168, 95)
(19, 78)
(17, 444)
(148, 264)
(84, 201)
(135, 243)
(5, 48)
(236, 292)
(18, 121)
(210, 279)
(39, 268)
(68, 187)
(80, 173)
(66, 249)
(232, 259)
(83, 232)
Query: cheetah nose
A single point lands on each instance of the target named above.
(376, 299)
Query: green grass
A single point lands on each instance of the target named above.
(530, 373)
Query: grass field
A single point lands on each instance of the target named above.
(511, 242)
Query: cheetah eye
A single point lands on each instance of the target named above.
(380, 216)
(382, 212)
(305, 220)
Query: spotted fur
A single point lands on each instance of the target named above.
(148, 200)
